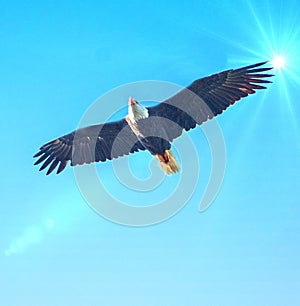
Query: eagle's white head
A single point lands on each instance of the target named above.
(136, 111)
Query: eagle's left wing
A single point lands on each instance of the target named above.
(207, 97)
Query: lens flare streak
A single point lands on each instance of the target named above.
(31, 236)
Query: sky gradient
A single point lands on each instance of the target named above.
(57, 59)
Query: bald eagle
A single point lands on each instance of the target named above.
(154, 128)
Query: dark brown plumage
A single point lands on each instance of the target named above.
(204, 99)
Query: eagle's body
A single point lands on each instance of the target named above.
(154, 128)
(150, 135)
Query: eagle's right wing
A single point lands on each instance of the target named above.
(87, 145)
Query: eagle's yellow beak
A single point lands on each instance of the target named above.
(131, 101)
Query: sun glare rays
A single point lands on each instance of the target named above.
(275, 37)
(278, 41)
(278, 62)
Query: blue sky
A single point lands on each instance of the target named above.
(56, 59)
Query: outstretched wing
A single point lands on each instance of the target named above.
(207, 97)
(91, 144)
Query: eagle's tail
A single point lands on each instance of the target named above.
(168, 162)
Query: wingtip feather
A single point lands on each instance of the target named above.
(62, 166)
(251, 67)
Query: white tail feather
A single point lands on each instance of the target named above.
(168, 162)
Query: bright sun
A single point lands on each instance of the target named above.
(278, 62)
